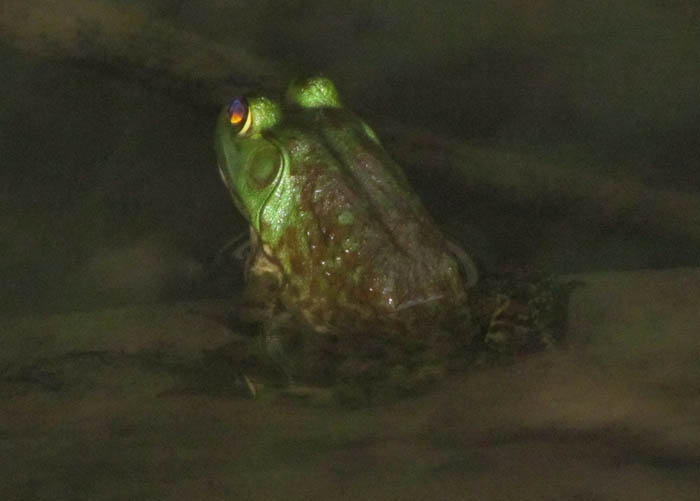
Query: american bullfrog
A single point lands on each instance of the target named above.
(339, 238)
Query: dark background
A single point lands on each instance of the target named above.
(552, 135)
(511, 118)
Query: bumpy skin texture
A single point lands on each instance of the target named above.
(336, 228)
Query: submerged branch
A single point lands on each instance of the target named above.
(126, 42)
(591, 196)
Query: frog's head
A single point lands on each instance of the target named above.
(260, 142)
(250, 161)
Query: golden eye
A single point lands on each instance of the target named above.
(239, 116)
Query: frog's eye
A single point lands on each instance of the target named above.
(239, 116)
(251, 115)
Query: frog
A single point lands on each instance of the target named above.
(339, 239)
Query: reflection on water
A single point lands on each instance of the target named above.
(131, 400)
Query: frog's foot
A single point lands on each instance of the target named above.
(499, 330)
(236, 248)
(521, 313)
(274, 345)
(224, 271)
(309, 394)
(252, 387)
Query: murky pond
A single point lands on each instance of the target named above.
(557, 138)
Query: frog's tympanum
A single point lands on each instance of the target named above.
(338, 236)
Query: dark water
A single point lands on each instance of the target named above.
(109, 196)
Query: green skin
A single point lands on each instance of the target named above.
(339, 238)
